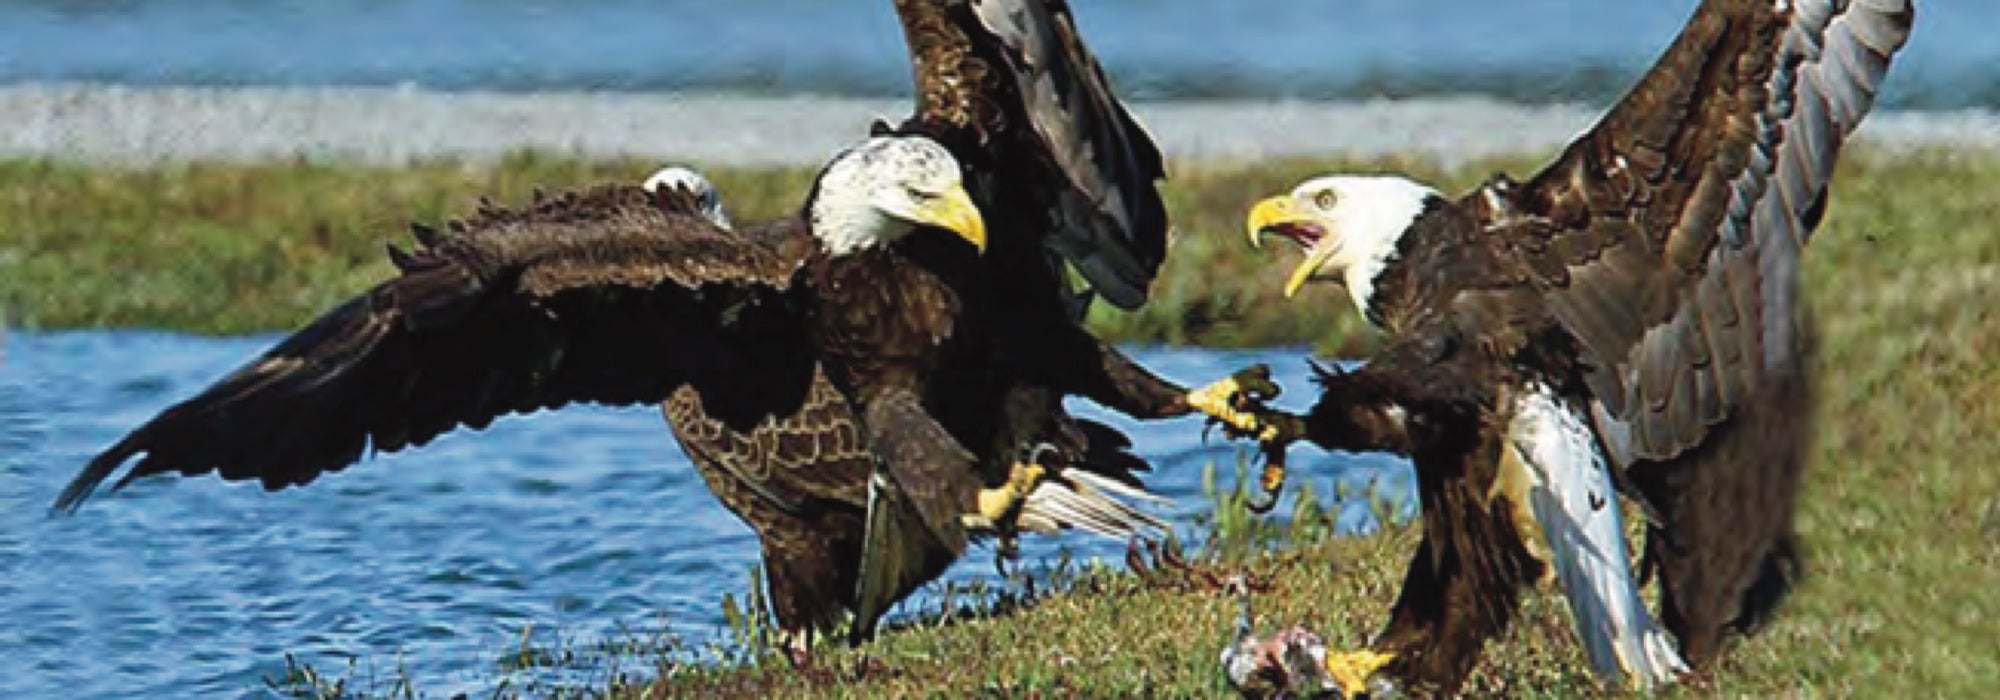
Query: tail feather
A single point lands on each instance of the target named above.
(1573, 498)
(900, 552)
(1096, 488)
(1115, 487)
(1086, 508)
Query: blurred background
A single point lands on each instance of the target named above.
(1525, 50)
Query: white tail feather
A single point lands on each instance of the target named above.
(1573, 499)
(1113, 486)
(1088, 503)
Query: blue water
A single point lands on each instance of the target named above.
(1528, 50)
(586, 523)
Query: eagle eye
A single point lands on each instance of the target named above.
(1325, 199)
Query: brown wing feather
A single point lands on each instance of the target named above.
(1678, 220)
(1010, 87)
(801, 481)
(814, 454)
(916, 500)
(611, 296)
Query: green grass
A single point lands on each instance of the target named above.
(232, 248)
(215, 248)
(1901, 514)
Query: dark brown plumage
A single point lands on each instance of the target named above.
(849, 393)
(600, 297)
(800, 480)
(1066, 175)
(1642, 291)
(801, 483)
(1040, 148)
(618, 296)
(1010, 88)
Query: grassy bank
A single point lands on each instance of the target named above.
(1901, 516)
(1901, 513)
(236, 248)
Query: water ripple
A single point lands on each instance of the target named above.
(1527, 50)
(576, 526)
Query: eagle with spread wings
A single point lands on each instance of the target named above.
(869, 382)
(1626, 320)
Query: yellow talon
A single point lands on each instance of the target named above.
(1274, 474)
(1352, 669)
(1216, 400)
(999, 503)
(1000, 506)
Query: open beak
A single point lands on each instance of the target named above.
(954, 211)
(1276, 216)
(1316, 258)
(1268, 214)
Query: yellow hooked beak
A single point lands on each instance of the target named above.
(1278, 211)
(1270, 212)
(954, 211)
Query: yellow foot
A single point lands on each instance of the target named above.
(1238, 403)
(1004, 501)
(1230, 401)
(1354, 669)
(1000, 505)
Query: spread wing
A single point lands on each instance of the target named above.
(1009, 86)
(1667, 238)
(612, 296)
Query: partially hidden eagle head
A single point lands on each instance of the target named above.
(691, 180)
(886, 187)
(1349, 226)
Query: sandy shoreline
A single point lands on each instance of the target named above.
(125, 126)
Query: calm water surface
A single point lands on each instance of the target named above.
(581, 523)
(1531, 50)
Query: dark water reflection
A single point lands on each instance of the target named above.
(585, 523)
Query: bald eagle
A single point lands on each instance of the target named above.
(801, 480)
(807, 364)
(614, 296)
(1629, 315)
(620, 296)
(692, 183)
(1065, 176)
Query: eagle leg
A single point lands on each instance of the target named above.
(1000, 506)
(1271, 482)
(1237, 401)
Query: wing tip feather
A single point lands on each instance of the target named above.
(86, 483)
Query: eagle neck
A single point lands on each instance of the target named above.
(1380, 267)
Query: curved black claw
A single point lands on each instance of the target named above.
(1271, 483)
(1238, 403)
(1229, 432)
(1262, 501)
